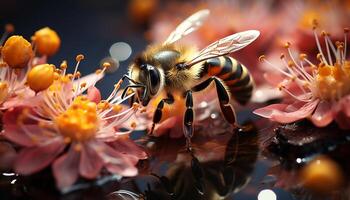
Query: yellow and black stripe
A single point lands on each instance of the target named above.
(235, 76)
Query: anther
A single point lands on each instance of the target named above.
(291, 64)
(287, 45)
(106, 65)
(346, 30)
(79, 57)
(302, 56)
(77, 75)
(63, 65)
(282, 56)
(314, 24)
(133, 125)
(135, 106)
(262, 58)
(83, 85)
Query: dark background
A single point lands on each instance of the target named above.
(89, 27)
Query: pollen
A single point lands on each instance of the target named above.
(41, 77)
(17, 52)
(47, 41)
(80, 121)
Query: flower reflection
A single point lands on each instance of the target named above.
(215, 169)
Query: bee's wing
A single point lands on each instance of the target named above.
(189, 25)
(225, 46)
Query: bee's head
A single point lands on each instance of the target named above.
(152, 79)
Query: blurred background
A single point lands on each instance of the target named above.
(120, 29)
(84, 26)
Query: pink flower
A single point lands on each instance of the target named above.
(78, 134)
(320, 93)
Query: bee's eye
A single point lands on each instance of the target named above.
(154, 77)
(143, 66)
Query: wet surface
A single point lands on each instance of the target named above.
(234, 164)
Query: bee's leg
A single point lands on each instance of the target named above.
(223, 96)
(158, 113)
(188, 119)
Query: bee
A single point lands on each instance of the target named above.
(172, 67)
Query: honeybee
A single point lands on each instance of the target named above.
(172, 67)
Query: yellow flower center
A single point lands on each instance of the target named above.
(80, 121)
(4, 91)
(333, 81)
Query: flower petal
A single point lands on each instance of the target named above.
(33, 159)
(127, 146)
(90, 163)
(90, 80)
(163, 127)
(277, 112)
(94, 94)
(116, 162)
(13, 131)
(65, 168)
(323, 114)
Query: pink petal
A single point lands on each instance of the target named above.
(94, 94)
(323, 114)
(24, 98)
(273, 78)
(277, 112)
(264, 93)
(90, 162)
(163, 127)
(34, 159)
(127, 146)
(116, 162)
(90, 80)
(65, 168)
(13, 131)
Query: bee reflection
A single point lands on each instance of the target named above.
(215, 169)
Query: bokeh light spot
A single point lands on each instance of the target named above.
(120, 51)
(267, 195)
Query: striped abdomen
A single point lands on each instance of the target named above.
(236, 76)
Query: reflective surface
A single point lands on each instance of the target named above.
(281, 163)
